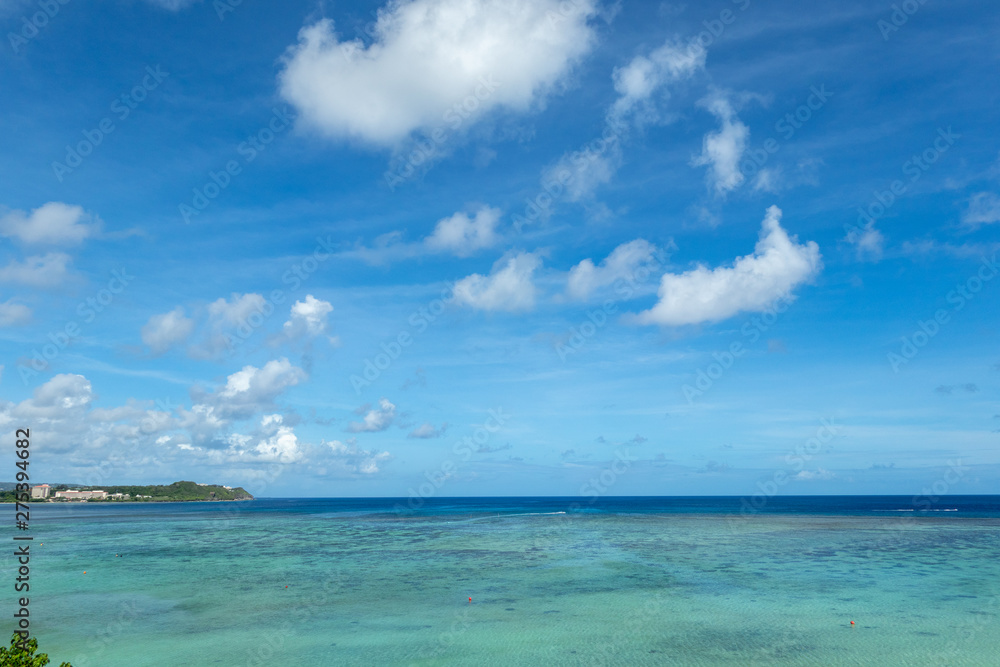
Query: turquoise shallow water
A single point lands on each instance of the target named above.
(204, 584)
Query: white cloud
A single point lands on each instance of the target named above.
(818, 474)
(273, 442)
(767, 180)
(636, 82)
(777, 265)
(136, 435)
(164, 331)
(984, 209)
(225, 315)
(377, 419)
(308, 318)
(582, 172)
(62, 419)
(623, 261)
(202, 422)
(578, 174)
(458, 234)
(868, 242)
(12, 314)
(48, 270)
(54, 223)
(65, 396)
(252, 389)
(721, 151)
(509, 286)
(427, 430)
(236, 309)
(354, 459)
(427, 57)
(463, 235)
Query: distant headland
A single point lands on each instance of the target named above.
(156, 493)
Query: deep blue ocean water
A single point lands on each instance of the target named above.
(553, 581)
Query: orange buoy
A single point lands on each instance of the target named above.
(852, 622)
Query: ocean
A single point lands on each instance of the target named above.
(552, 581)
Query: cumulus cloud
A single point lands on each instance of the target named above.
(62, 416)
(308, 319)
(576, 175)
(984, 209)
(252, 389)
(721, 150)
(509, 286)
(164, 331)
(376, 419)
(462, 235)
(459, 234)
(12, 314)
(202, 423)
(236, 309)
(868, 242)
(48, 270)
(64, 396)
(427, 430)
(623, 261)
(272, 442)
(54, 223)
(636, 82)
(777, 265)
(224, 316)
(144, 437)
(355, 459)
(427, 57)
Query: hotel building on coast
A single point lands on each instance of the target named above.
(82, 495)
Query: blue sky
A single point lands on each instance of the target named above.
(460, 247)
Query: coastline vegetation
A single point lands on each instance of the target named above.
(156, 493)
(22, 654)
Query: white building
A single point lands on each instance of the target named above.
(82, 495)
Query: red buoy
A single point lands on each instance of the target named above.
(470, 599)
(852, 622)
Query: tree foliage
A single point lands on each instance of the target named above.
(22, 654)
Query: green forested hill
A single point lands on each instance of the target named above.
(178, 491)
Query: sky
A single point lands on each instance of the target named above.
(473, 247)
